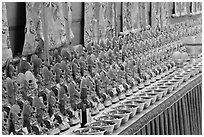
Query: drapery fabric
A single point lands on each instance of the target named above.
(196, 7)
(165, 7)
(144, 14)
(156, 14)
(126, 13)
(183, 8)
(100, 20)
(33, 29)
(6, 48)
(55, 25)
(160, 14)
(178, 8)
(135, 15)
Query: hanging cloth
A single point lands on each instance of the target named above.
(67, 11)
(132, 15)
(6, 48)
(54, 22)
(164, 14)
(135, 15)
(100, 20)
(90, 22)
(155, 15)
(144, 14)
(33, 31)
(178, 8)
(183, 8)
(126, 13)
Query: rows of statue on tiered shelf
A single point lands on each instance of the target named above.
(117, 79)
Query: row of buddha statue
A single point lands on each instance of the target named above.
(41, 98)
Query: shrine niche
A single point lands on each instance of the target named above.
(6, 45)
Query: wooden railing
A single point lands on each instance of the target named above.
(179, 113)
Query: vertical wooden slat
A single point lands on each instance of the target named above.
(170, 121)
(200, 96)
(139, 132)
(143, 130)
(200, 107)
(197, 110)
(177, 119)
(186, 115)
(157, 126)
(166, 127)
(148, 129)
(190, 112)
(161, 124)
(152, 125)
(194, 112)
(199, 101)
(181, 120)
